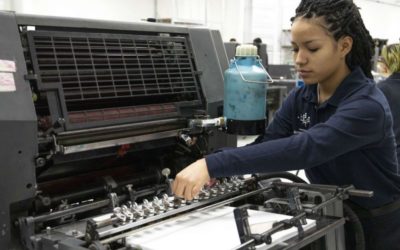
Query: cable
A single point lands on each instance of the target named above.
(354, 225)
(286, 175)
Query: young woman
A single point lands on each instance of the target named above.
(391, 87)
(338, 127)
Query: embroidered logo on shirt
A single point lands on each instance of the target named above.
(305, 119)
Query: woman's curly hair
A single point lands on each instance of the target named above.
(342, 18)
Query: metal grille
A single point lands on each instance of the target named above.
(98, 71)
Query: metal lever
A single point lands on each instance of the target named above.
(295, 203)
(251, 240)
(242, 224)
(166, 172)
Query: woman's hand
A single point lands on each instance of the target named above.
(191, 180)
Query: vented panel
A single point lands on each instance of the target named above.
(102, 71)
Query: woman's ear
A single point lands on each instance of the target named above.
(345, 45)
(383, 69)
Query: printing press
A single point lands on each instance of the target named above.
(99, 118)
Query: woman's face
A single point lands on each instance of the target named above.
(318, 57)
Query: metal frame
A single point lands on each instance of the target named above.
(56, 94)
(18, 119)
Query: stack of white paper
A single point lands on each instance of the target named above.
(211, 229)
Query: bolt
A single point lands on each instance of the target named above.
(88, 238)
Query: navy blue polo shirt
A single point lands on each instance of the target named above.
(346, 140)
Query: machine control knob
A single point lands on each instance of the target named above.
(214, 191)
(236, 183)
(165, 201)
(177, 202)
(229, 186)
(204, 194)
(157, 205)
(117, 211)
(147, 208)
(166, 172)
(221, 189)
(126, 211)
(136, 210)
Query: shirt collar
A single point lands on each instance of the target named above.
(351, 82)
(310, 93)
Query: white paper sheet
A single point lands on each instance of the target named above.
(7, 66)
(7, 83)
(214, 229)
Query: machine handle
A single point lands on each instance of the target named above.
(251, 81)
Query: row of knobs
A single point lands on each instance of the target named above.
(132, 211)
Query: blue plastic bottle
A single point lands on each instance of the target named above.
(245, 86)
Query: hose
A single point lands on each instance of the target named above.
(354, 226)
(286, 175)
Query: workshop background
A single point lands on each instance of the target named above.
(240, 19)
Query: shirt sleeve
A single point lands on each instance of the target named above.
(355, 124)
(281, 125)
(388, 93)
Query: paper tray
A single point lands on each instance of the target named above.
(211, 229)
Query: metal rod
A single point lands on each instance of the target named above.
(318, 233)
(117, 142)
(328, 188)
(282, 226)
(74, 210)
(121, 127)
(323, 204)
(223, 203)
(246, 245)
